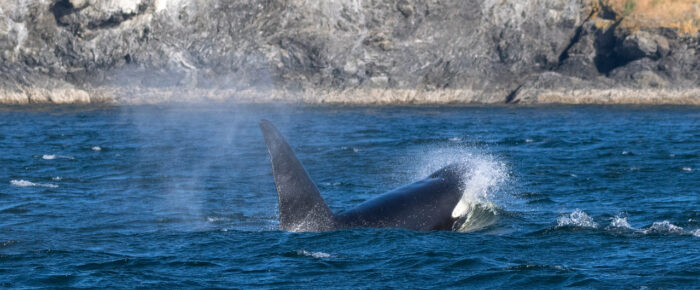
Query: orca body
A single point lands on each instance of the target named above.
(425, 205)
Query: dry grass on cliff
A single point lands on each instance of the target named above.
(683, 15)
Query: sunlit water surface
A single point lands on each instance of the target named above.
(183, 196)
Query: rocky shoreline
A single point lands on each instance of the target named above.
(104, 96)
(350, 52)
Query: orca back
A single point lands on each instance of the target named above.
(425, 205)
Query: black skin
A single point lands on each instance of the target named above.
(425, 205)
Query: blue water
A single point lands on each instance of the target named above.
(175, 196)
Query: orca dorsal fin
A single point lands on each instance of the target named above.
(302, 209)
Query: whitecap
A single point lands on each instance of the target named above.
(455, 139)
(96, 148)
(22, 182)
(696, 233)
(54, 156)
(578, 218)
(625, 153)
(317, 255)
(664, 227)
(529, 140)
(330, 183)
(25, 183)
(354, 149)
(213, 219)
(56, 178)
(620, 222)
(687, 169)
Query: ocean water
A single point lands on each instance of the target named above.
(183, 196)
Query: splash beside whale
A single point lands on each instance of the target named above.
(426, 205)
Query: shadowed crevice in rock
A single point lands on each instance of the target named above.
(112, 21)
(511, 97)
(607, 58)
(574, 40)
(96, 15)
(62, 8)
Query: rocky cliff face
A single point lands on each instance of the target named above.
(341, 51)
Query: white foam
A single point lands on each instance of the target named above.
(620, 222)
(578, 218)
(529, 140)
(25, 183)
(625, 153)
(213, 219)
(54, 156)
(21, 183)
(687, 169)
(476, 216)
(484, 179)
(96, 148)
(663, 227)
(330, 183)
(696, 233)
(317, 255)
(455, 139)
(354, 149)
(56, 178)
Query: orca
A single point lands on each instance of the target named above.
(426, 205)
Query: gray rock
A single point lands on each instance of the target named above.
(488, 51)
(643, 44)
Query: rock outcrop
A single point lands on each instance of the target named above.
(345, 51)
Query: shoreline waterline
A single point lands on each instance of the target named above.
(372, 97)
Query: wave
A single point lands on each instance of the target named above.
(354, 149)
(619, 224)
(25, 183)
(578, 218)
(317, 255)
(54, 156)
(663, 227)
(477, 216)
